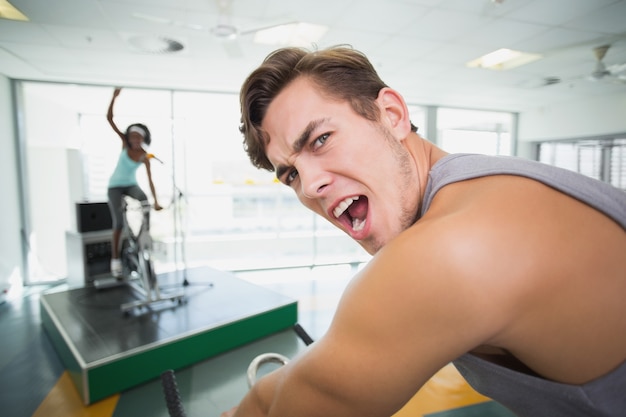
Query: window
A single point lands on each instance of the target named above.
(475, 131)
(602, 159)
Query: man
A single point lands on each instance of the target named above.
(513, 270)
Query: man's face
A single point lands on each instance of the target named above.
(345, 168)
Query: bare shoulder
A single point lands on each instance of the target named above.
(547, 263)
(522, 237)
(505, 221)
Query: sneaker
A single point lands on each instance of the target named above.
(116, 267)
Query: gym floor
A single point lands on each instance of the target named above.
(34, 383)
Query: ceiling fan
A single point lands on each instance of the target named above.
(613, 73)
(224, 30)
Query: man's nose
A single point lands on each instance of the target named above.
(313, 180)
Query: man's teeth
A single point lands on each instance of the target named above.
(358, 225)
(343, 206)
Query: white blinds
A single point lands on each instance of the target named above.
(603, 159)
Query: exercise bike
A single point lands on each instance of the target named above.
(136, 254)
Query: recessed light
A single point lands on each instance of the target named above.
(503, 59)
(8, 11)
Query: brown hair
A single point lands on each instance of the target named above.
(340, 72)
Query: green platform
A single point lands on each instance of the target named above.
(106, 352)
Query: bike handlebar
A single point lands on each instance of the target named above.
(264, 358)
(172, 396)
(170, 388)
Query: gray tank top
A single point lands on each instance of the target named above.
(528, 395)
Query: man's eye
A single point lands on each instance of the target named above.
(320, 140)
(291, 176)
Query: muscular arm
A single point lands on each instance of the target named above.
(398, 323)
(116, 93)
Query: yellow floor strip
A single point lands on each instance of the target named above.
(445, 391)
(63, 401)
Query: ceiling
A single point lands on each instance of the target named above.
(419, 47)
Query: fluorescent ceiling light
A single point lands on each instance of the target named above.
(8, 11)
(503, 59)
(292, 34)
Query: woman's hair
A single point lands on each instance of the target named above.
(340, 72)
(138, 127)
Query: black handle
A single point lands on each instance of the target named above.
(172, 396)
(302, 334)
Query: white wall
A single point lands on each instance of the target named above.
(605, 115)
(49, 188)
(10, 250)
(50, 125)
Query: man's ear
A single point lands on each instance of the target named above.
(394, 112)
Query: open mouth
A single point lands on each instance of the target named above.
(352, 212)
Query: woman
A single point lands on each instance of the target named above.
(123, 181)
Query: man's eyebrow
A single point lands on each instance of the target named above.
(304, 137)
(300, 143)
